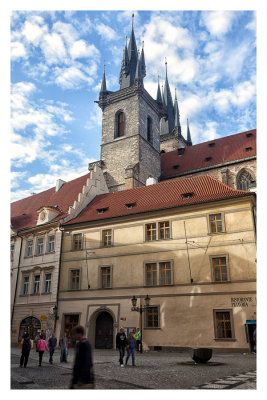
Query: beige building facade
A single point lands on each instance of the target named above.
(201, 284)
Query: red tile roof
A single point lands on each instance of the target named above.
(24, 212)
(203, 155)
(163, 195)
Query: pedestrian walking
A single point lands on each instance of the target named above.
(121, 343)
(41, 347)
(131, 349)
(254, 341)
(138, 340)
(25, 351)
(63, 344)
(52, 342)
(82, 374)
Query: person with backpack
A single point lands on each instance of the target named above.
(41, 347)
(26, 348)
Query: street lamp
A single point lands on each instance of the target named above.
(140, 310)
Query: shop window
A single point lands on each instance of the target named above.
(51, 244)
(70, 321)
(216, 223)
(223, 328)
(152, 317)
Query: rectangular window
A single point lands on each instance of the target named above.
(107, 238)
(29, 248)
(151, 274)
(51, 244)
(40, 246)
(75, 279)
(152, 317)
(216, 223)
(36, 286)
(219, 269)
(164, 230)
(12, 248)
(151, 232)
(165, 273)
(77, 241)
(26, 285)
(223, 325)
(105, 277)
(47, 283)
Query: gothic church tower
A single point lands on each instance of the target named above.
(130, 147)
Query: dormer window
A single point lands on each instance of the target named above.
(248, 135)
(181, 151)
(47, 214)
(186, 196)
(248, 149)
(211, 144)
(101, 210)
(176, 166)
(129, 206)
(208, 158)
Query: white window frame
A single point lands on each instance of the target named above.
(49, 243)
(47, 280)
(28, 247)
(25, 285)
(38, 246)
(36, 284)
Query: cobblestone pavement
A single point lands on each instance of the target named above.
(154, 370)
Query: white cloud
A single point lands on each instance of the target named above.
(72, 77)
(218, 22)
(33, 33)
(17, 50)
(80, 49)
(15, 177)
(53, 49)
(106, 32)
(66, 31)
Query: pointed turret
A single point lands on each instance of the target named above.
(177, 115)
(188, 138)
(142, 62)
(167, 123)
(159, 97)
(129, 63)
(103, 84)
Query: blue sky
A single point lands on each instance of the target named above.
(57, 60)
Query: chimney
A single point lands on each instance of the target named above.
(59, 183)
(151, 181)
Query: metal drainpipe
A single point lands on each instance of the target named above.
(59, 268)
(15, 294)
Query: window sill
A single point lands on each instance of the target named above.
(45, 293)
(216, 233)
(35, 294)
(224, 339)
(153, 328)
(221, 282)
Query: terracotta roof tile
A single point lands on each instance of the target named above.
(164, 195)
(24, 212)
(211, 153)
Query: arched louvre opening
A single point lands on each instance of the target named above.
(245, 181)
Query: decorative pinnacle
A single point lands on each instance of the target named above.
(132, 19)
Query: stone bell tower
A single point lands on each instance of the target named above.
(130, 146)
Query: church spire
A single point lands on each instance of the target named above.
(103, 89)
(129, 62)
(188, 138)
(177, 115)
(167, 124)
(159, 97)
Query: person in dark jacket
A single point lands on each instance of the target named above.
(121, 343)
(82, 374)
(52, 342)
(26, 348)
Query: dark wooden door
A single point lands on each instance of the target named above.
(104, 331)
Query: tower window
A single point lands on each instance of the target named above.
(119, 124)
(149, 130)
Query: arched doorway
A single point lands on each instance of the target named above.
(31, 325)
(104, 331)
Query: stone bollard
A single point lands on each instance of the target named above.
(201, 355)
